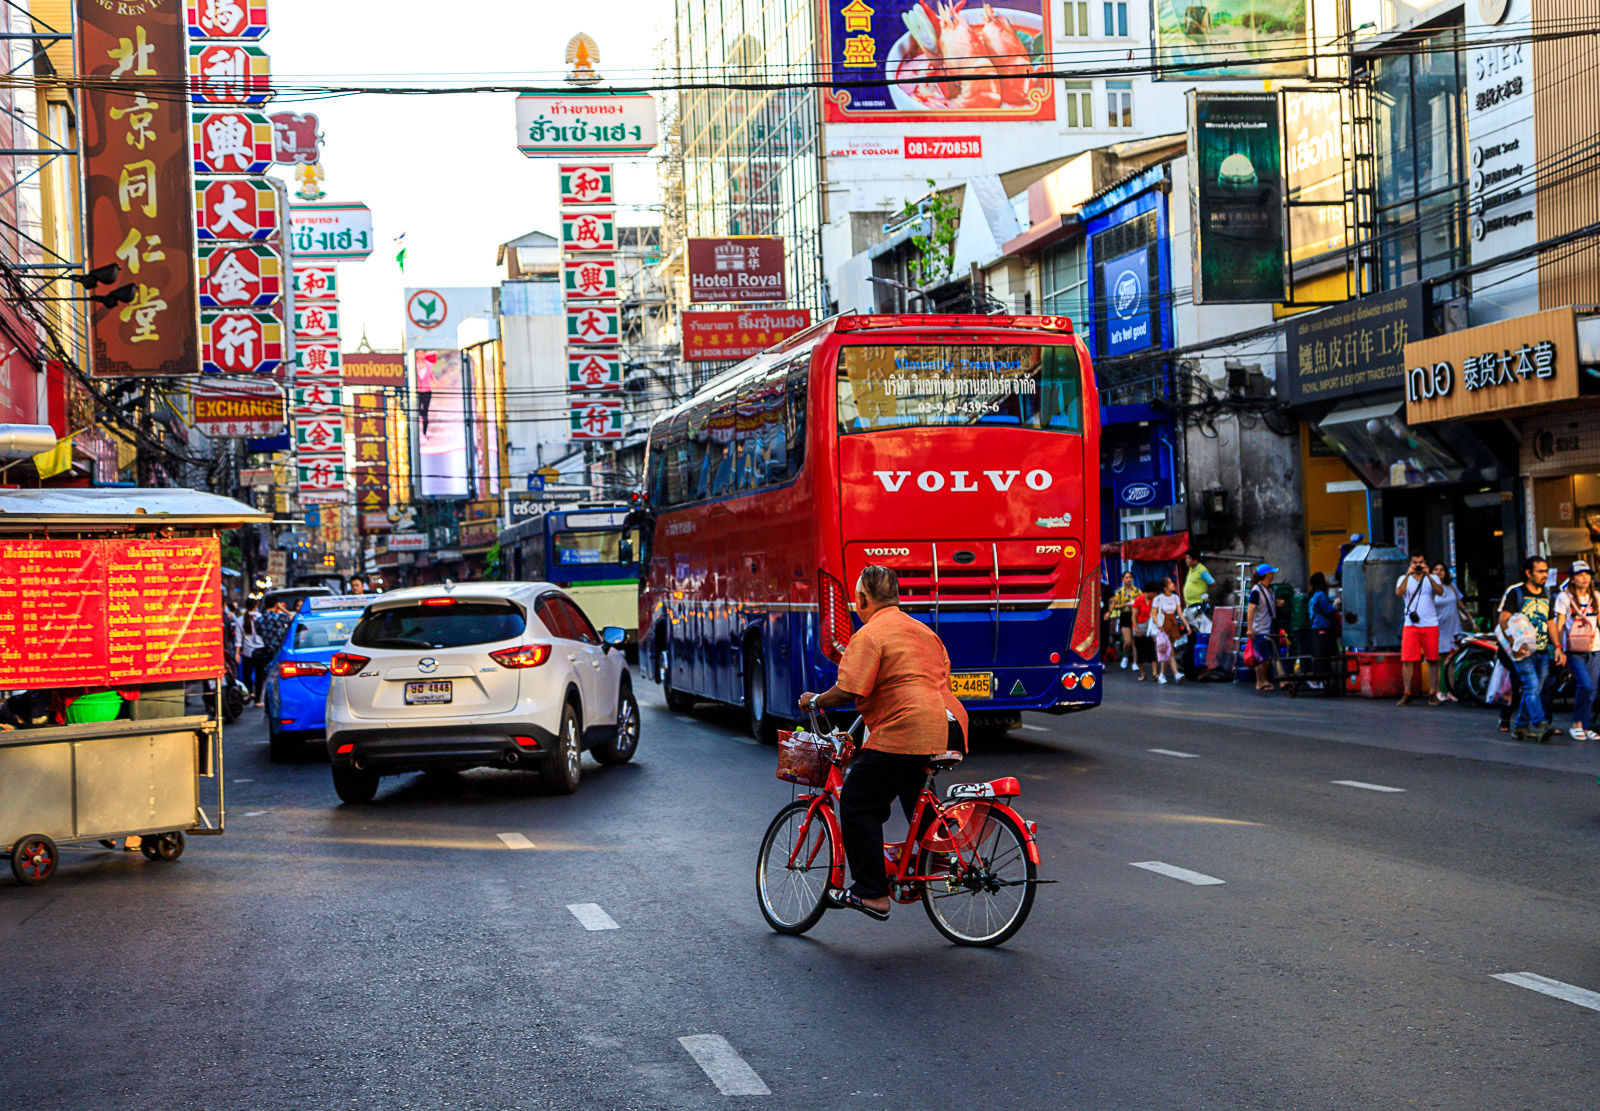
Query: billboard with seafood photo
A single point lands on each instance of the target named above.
(898, 60)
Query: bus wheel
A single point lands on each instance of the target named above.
(677, 701)
(762, 727)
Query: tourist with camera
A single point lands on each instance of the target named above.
(1419, 628)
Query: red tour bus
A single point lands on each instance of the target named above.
(962, 451)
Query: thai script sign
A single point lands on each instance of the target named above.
(1524, 363)
(295, 138)
(738, 335)
(330, 232)
(374, 368)
(586, 123)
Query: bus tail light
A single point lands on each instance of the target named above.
(835, 611)
(1086, 625)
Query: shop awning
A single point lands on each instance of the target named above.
(1044, 234)
(108, 508)
(1150, 549)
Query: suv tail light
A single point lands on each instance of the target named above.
(295, 669)
(347, 663)
(1086, 625)
(835, 631)
(525, 655)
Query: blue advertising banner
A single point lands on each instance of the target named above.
(1126, 282)
(924, 60)
(1137, 466)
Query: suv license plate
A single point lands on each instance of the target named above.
(423, 693)
(973, 684)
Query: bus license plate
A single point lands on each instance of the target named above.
(435, 691)
(973, 684)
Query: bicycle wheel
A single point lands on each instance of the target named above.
(987, 899)
(792, 898)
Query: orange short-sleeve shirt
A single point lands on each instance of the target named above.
(899, 671)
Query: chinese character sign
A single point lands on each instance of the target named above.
(226, 19)
(595, 419)
(586, 185)
(596, 323)
(911, 60)
(589, 231)
(741, 268)
(233, 275)
(235, 208)
(593, 370)
(316, 283)
(136, 189)
(316, 321)
(590, 277)
(228, 73)
(238, 341)
(720, 336)
(231, 141)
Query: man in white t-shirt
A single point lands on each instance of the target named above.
(1419, 626)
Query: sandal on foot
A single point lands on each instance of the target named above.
(849, 900)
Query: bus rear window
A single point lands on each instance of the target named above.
(947, 385)
(596, 546)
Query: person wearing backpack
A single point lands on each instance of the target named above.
(1578, 633)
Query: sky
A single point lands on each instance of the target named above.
(445, 169)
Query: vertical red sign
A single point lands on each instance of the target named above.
(131, 54)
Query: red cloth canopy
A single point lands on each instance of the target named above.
(1150, 549)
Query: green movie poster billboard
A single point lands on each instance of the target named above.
(1231, 38)
(1236, 191)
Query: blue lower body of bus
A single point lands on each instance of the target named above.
(1004, 654)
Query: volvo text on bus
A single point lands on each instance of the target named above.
(962, 451)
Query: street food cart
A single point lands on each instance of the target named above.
(110, 601)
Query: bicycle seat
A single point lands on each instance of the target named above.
(946, 760)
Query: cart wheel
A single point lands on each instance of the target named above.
(169, 846)
(34, 858)
(1294, 689)
(147, 846)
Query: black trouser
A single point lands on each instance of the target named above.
(874, 781)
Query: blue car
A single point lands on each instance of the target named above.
(296, 691)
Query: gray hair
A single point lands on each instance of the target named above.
(880, 584)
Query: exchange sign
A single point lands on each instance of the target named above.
(589, 231)
(235, 208)
(135, 188)
(589, 277)
(228, 73)
(239, 407)
(594, 370)
(226, 19)
(231, 141)
(586, 185)
(330, 232)
(235, 275)
(598, 323)
(596, 418)
(239, 341)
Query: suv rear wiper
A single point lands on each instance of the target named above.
(399, 642)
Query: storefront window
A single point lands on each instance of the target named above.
(1421, 176)
(1065, 283)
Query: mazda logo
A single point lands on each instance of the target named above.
(427, 665)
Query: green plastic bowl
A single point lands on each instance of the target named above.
(98, 706)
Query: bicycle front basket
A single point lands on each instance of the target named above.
(803, 758)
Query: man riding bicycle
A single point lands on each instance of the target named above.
(896, 671)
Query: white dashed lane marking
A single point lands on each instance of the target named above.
(244, 781)
(254, 813)
(1199, 879)
(1172, 752)
(592, 917)
(1036, 729)
(515, 840)
(1369, 786)
(1583, 997)
(722, 1063)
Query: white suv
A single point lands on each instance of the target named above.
(477, 675)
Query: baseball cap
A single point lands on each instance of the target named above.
(1579, 565)
(1356, 538)
(1266, 569)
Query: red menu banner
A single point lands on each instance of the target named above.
(101, 613)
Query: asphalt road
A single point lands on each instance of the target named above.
(405, 955)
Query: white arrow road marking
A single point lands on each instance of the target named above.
(515, 840)
(722, 1063)
(1171, 752)
(592, 917)
(1199, 879)
(1369, 786)
(1583, 997)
